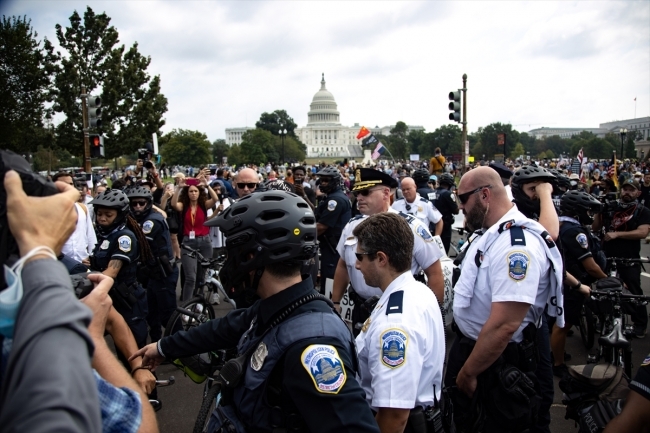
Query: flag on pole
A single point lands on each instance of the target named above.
(369, 140)
(379, 150)
(577, 163)
(362, 132)
(612, 171)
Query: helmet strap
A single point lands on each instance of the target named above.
(257, 277)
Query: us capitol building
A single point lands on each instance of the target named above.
(324, 136)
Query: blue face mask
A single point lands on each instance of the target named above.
(10, 297)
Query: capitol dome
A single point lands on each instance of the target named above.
(323, 109)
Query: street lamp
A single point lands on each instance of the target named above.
(283, 134)
(623, 133)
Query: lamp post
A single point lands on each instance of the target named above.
(283, 134)
(623, 133)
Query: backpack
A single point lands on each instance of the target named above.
(594, 394)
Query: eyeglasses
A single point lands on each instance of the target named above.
(136, 203)
(246, 185)
(465, 196)
(360, 255)
(364, 192)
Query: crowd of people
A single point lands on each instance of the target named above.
(537, 240)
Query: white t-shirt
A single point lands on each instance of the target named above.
(402, 349)
(82, 242)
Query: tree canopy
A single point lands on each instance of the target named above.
(182, 146)
(271, 122)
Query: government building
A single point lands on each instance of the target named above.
(324, 136)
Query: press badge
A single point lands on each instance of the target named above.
(192, 234)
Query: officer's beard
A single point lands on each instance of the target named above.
(475, 218)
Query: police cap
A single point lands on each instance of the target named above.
(365, 178)
(504, 172)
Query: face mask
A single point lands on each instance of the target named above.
(10, 297)
(573, 183)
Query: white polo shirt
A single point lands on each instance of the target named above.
(425, 252)
(402, 347)
(421, 208)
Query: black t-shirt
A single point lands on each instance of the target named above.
(576, 246)
(626, 221)
(645, 195)
(446, 204)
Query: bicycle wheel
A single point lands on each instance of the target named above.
(179, 321)
(207, 406)
(587, 327)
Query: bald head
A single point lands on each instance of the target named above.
(408, 189)
(247, 178)
(482, 176)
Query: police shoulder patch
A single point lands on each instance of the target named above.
(124, 243)
(517, 265)
(147, 227)
(331, 205)
(324, 366)
(423, 233)
(582, 240)
(646, 361)
(393, 347)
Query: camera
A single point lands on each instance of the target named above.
(609, 201)
(81, 284)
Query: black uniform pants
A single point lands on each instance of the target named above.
(631, 276)
(445, 236)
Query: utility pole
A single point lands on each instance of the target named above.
(455, 115)
(84, 112)
(465, 142)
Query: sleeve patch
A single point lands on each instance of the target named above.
(518, 265)
(424, 233)
(325, 368)
(331, 205)
(124, 243)
(147, 227)
(393, 347)
(582, 240)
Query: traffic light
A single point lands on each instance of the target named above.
(94, 111)
(96, 146)
(454, 106)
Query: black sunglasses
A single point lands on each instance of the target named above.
(244, 185)
(364, 192)
(360, 255)
(465, 196)
(135, 203)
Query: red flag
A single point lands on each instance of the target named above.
(362, 132)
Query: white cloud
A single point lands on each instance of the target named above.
(529, 63)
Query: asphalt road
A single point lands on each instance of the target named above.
(181, 402)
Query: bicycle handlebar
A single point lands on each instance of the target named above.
(197, 254)
(619, 295)
(628, 260)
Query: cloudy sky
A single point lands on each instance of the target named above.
(531, 64)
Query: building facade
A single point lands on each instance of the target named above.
(233, 135)
(640, 125)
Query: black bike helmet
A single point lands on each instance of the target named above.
(140, 192)
(579, 204)
(526, 205)
(335, 181)
(563, 182)
(446, 179)
(262, 229)
(421, 176)
(111, 199)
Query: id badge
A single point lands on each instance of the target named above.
(192, 234)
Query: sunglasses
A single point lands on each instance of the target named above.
(365, 192)
(360, 255)
(465, 196)
(246, 185)
(136, 203)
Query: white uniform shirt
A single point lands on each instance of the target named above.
(421, 208)
(425, 252)
(401, 354)
(82, 242)
(498, 281)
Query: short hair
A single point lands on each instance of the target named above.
(61, 174)
(220, 172)
(300, 167)
(389, 233)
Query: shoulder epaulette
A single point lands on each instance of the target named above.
(395, 301)
(517, 236)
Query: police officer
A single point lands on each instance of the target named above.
(297, 358)
(116, 255)
(498, 304)
(577, 208)
(422, 178)
(414, 204)
(374, 191)
(446, 204)
(402, 344)
(505, 174)
(332, 214)
(625, 223)
(159, 276)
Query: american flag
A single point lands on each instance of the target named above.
(379, 150)
(577, 163)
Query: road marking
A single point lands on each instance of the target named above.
(645, 274)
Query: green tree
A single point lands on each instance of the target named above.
(182, 146)
(448, 138)
(518, 151)
(417, 141)
(271, 122)
(293, 149)
(26, 70)
(398, 143)
(219, 150)
(528, 141)
(132, 103)
(488, 135)
(257, 146)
